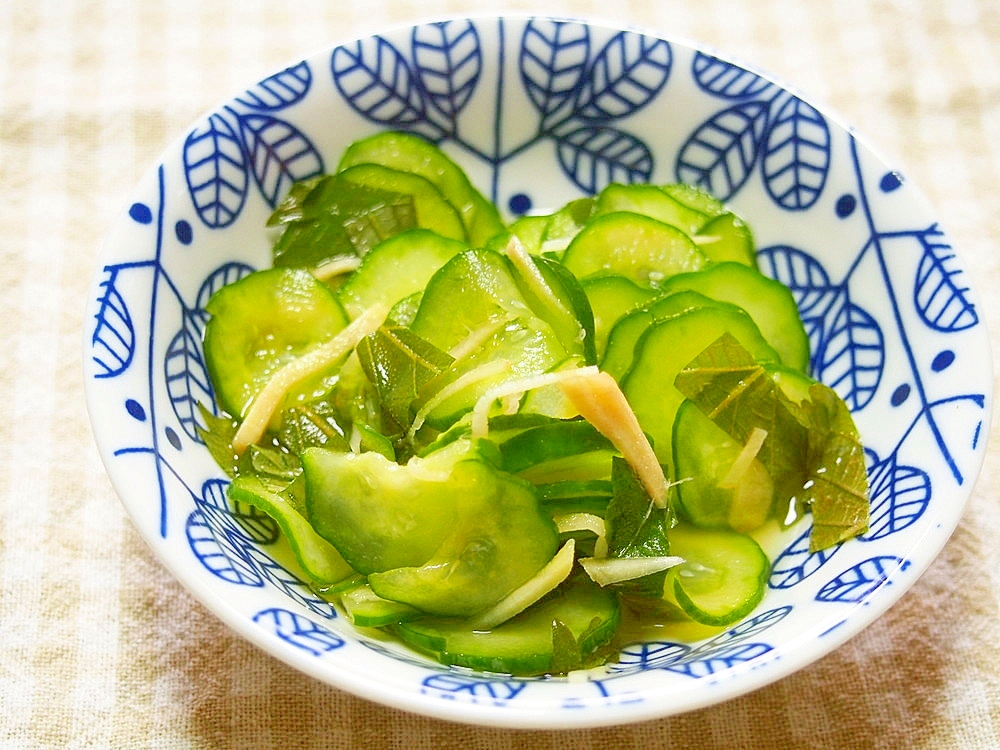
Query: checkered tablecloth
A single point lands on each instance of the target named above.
(101, 648)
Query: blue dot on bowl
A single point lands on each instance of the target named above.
(141, 213)
(519, 204)
(173, 438)
(846, 205)
(943, 360)
(184, 232)
(900, 394)
(134, 408)
(890, 181)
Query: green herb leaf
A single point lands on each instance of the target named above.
(566, 654)
(837, 487)
(812, 450)
(218, 438)
(314, 424)
(399, 363)
(331, 217)
(636, 527)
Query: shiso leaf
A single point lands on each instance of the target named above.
(812, 451)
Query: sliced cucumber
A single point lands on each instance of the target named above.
(524, 644)
(666, 348)
(710, 493)
(449, 534)
(770, 303)
(397, 268)
(642, 249)
(319, 559)
(723, 577)
(262, 322)
(651, 201)
(469, 291)
(610, 298)
(620, 349)
(538, 445)
(366, 609)
(433, 211)
(727, 238)
(696, 198)
(411, 153)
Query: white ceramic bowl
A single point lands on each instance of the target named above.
(540, 111)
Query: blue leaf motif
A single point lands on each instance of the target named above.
(187, 379)
(724, 79)
(722, 659)
(375, 79)
(796, 155)
(552, 62)
(859, 581)
(279, 154)
(219, 549)
(213, 494)
(448, 61)
(113, 340)
(940, 299)
(899, 496)
(625, 76)
(644, 655)
(288, 583)
(800, 272)
(225, 274)
(720, 155)
(454, 684)
(299, 631)
(852, 355)
(756, 624)
(256, 525)
(216, 171)
(280, 90)
(597, 155)
(796, 563)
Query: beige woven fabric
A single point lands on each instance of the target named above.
(100, 648)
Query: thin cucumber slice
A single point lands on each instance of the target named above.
(560, 440)
(651, 201)
(620, 349)
(707, 461)
(524, 645)
(665, 348)
(433, 211)
(642, 249)
(469, 291)
(366, 609)
(262, 322)
(449, 534)
(723, 577)
(610, 298)
(411, 153)
(319, 559)
(696, 198)
(727, 238)
(396, 268)
(563, 225)
(529, 230)
(770, 303)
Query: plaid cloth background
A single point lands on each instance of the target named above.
(100, 648)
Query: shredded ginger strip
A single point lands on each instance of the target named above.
(315, 360)
(601, 402)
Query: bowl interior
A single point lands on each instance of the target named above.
(540, 111)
